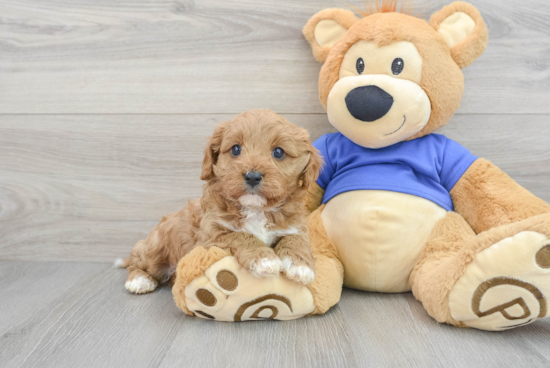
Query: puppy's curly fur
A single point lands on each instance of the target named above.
(264, 225)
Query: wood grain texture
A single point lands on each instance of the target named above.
(87, 188)
(80, 315)
(91, 322)
(397, 327)
(213, 56)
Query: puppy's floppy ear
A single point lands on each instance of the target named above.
(211, 153)
(463, 28)
(326, 28)
(311, 171)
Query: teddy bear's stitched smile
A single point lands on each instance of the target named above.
(398, 129)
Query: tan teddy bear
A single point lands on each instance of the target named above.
(410, 210)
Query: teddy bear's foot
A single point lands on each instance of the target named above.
(228, 292)
(507, 285)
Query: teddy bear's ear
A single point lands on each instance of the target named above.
(326, 28)
(462, 27)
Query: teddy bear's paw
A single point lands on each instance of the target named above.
(297, 273)
(140, 285)
(507, 285)
(266, 267)
(228, 292)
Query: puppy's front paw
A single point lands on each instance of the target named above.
(140, 285)
(266, 267)
(294, 272)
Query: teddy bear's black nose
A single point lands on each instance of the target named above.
(368, 103)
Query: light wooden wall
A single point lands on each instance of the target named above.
(105, 106)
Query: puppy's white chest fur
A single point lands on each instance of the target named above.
(255, 223)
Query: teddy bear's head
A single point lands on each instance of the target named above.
(389, 76)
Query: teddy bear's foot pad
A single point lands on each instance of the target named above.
(506, 286)
(228, 292)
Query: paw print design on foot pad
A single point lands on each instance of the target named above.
(506, 286)
(228, 292)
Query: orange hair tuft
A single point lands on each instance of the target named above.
(384, 6)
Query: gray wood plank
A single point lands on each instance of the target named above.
(212, 56)
(88, 187)
(394, 330)
(28, 287)
(307, 342)
(92, 321)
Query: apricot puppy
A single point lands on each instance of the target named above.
(258, 168)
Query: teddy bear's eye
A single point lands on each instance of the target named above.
(360, 65)
(397, 66)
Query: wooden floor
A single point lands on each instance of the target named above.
(78, 314)
(105, 107)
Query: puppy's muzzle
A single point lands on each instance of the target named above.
(368, 103)
(253, 178)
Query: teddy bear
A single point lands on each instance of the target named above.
(407, 209)
(397, 207)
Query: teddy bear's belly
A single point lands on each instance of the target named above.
(379, 235)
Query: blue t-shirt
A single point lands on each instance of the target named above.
(426, 167)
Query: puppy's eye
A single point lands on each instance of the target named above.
(360, 65)
(278, 153)
(236, 150)
(397, 66)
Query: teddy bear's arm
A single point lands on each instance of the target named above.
(314, 197)
(486, 197)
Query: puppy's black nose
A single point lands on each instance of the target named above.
(368, 103)
(253, 178)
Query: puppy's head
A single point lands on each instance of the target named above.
(259, 159)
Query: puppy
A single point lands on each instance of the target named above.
(258, 168)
